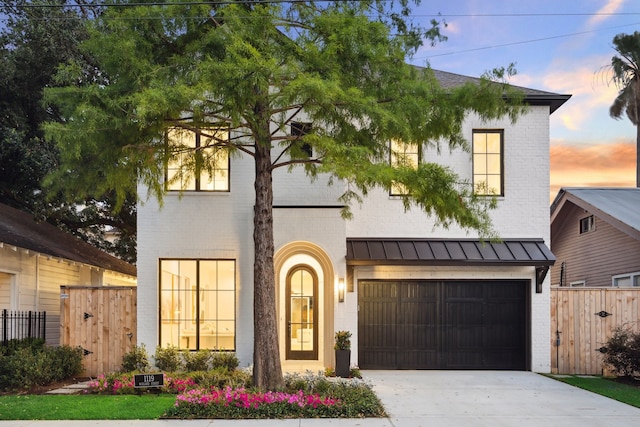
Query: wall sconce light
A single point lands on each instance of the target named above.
(341, 289)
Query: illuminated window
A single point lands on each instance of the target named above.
(488, 162)
(403, 154)
(198, 162)
(197, 304)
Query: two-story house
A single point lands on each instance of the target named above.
(414, 296)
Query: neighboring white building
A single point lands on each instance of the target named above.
(413, 295)
(37, 258)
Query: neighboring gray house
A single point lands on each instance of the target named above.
(36, 258)
(595, 236)
(415, 296)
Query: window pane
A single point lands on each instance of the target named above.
(493, 142)
(493, 164)
(479, 164)
(192, 306)
(487, 162)
(180, 142)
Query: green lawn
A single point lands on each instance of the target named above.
(605, 387)
(84, 407)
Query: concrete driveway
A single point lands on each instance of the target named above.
(493, 398)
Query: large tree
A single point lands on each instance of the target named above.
(254, 68)
(36, 37)
(626, 76)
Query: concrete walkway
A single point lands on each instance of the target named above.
(442, 398)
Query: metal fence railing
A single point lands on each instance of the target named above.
(22, 325)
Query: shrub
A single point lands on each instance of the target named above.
(196, 360)
(168, 359)
(224, 359)
(136, 360)
(623, 352)
(28, 364)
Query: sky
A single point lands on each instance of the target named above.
(560, 46)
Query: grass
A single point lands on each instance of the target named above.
(84, 407)
(606, 387)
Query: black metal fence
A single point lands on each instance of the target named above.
(22, 325)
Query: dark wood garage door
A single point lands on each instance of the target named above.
(442, 325)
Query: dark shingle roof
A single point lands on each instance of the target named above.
(18, 228)
(369, 251)
(531, 96)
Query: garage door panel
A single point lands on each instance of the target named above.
(442, 325)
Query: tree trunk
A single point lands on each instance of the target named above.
(267, 371)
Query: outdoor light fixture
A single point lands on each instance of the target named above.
(341, 289)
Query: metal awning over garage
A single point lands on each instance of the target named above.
(436, 252)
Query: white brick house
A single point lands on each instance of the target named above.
(413, 295)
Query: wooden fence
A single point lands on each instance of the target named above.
(101, 320)
(582, 320)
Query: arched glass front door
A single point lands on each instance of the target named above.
(302, 314)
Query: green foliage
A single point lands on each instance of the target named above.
(342, 340)
(26, 364)
(626, 75)
(224, 359)
(168, 358)
(221, 377)
(136, 360)
(196, 360)
(623, 352)
(34, 41)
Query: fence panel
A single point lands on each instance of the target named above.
(22, 325)
(101, 320)
(583, 320)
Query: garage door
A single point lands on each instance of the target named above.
(442, 324)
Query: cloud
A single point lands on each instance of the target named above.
(612, 6)
(586, 79)
(593, 165)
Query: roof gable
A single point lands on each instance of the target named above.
(620, 207)
(18, 228)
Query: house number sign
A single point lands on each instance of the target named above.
(148, 380)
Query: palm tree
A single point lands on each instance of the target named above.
(626, 76)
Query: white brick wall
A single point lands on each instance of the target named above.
(207, 225)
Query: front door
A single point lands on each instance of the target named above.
(302, 314)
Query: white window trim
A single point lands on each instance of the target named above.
(577, 283)
(631, 276)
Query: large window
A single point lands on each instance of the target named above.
(403, 154)
(488, 162)
(198, 161)
(197, 304)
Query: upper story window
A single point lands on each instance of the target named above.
(488, 159)
(197, 303)
(587, 224)
(403, 154)
(299, 149)
(198, 162)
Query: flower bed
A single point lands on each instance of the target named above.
(241, 403)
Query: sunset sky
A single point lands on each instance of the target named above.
(558, 46)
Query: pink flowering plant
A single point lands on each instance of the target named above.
(242, 403)
(123, 384)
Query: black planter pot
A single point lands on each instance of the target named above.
(343, 362)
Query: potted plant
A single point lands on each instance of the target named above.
(342, 347)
